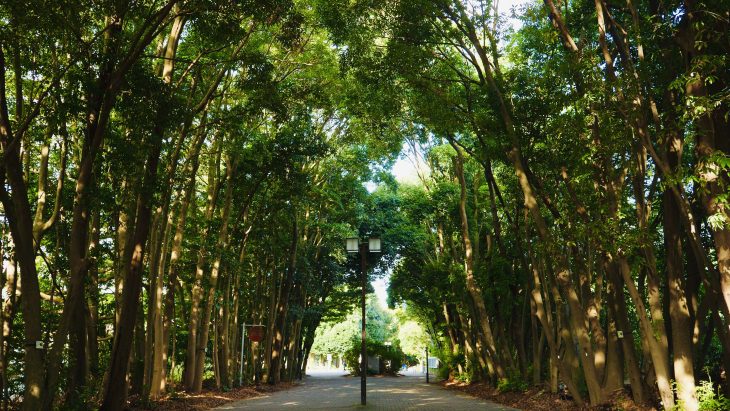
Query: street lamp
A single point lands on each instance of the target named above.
(354, 245)
(374, 244)
(426, 364)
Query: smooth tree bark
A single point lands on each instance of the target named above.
(488, 70)
(191, 356)
(40, 226)
(678, 303)
(197, 290)
(159, 371)
(282, 305)
(115, 389)
(155, 326)
(494, 361)
(100, 102)
(711, 139)
(221, 247)
(16, 205)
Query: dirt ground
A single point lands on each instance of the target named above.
(206, 399)
(540, 399)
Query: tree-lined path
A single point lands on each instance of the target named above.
(550, 186)
(333, 391)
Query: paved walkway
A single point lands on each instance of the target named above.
(331, 391)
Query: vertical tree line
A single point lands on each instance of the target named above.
(174, 169)
(573, 207)
(171, 171)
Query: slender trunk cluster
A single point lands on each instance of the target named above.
(151, 155)
(178, 175)
(613, 231)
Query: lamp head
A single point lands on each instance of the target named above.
(374, 244)
(353, 244)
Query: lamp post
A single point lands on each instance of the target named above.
(354, 245)
(427, 364)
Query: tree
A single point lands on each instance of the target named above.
(175, 169)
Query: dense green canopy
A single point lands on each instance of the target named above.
(173, 170)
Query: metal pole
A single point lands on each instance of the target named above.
(363, 351)
(243, 344)
(427, 364)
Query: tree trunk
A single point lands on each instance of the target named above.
(711, 139)
(450, 329)
(543, 314)
(100, 102)
(654, 331)
(159, 374)
(197, 293)
(154, 345)
(618, 306)
(271, 319)
(221, 247)
(8, 313)
(282, 306)
(678, 305)
(40, 226)
(473, 288)
(18, 212)
(223, 334)
(114, 393)
(93, 304)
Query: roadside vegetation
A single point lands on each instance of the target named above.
(174, 170)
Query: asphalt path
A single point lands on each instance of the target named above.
(333, 390)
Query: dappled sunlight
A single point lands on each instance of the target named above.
(279, 202)
(323, 392)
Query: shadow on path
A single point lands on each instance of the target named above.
(333, 390)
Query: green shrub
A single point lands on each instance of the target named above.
(392, 354)
(449, 363)
(512, 383)
(410, 360)
(175, 374)
(709, 399)
(444, 371)
(464, 377)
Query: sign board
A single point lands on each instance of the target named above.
(256, 333)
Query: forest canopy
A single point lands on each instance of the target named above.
(173, 170)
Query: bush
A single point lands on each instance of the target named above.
(465, 377)
(388, 354)
(513, 383)
(351, 356)
(410, 360)
(449, 364)
(444, 371)
(709, 399)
